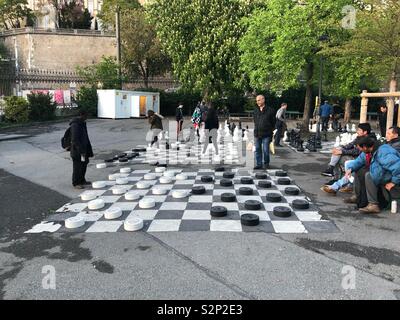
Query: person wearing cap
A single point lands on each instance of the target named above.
(179, 120)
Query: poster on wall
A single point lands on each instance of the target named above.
(67, 97)
(59, 96)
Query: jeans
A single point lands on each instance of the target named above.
(262, 150)
(325, 122)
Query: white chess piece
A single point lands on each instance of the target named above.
(348, 127)
(246, 136)
(337, 143)
(353, 128)
(285, 136)
(330, 129)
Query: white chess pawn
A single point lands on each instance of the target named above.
(337, 143)
(314, 128)
(353, 128)
(166, 135)
(348, 127)
(246, 136)
(285, 136)
(330, 129)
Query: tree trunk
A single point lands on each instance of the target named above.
(309, 91)
(347, 111)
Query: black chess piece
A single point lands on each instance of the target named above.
(300, 148)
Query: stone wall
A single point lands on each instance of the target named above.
(57, 49)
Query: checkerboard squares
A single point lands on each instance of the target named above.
(105, 226)
(263, 215)
(308, 215)
(76, 207)
(110, 199)
(196, 215)
(242, 199)
(226, 225)
(173, 206)
(206, 186)
(165, 225)
(230, 206)
(125, 206)
(143, 214)
(90, 217)
(288, 227)
(269, 206)
(200, 199)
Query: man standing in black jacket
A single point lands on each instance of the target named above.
(81, 150)
(264, 124)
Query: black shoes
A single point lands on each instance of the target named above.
(257, 168)
(328, 172)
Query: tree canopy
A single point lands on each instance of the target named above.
(13, 12)
(201, 38)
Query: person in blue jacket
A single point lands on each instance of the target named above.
(325, 112)
(384, 170)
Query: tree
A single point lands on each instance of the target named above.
(73, 15)
(201, 38)
(13, 13)
(281, 45)
(142, 55)
(102, 75)
(377, 38)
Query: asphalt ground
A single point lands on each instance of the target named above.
(35, 178)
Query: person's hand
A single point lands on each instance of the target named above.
(336, 152)
(389, 186)
(348, 174)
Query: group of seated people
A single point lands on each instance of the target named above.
(371, 170)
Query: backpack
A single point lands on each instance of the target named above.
(66, 140)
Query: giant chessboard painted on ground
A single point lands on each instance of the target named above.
(193, 212)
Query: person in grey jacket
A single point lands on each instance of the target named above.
(280, 122)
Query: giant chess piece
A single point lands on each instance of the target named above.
(286, 136)
(300, 148)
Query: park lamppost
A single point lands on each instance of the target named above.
(321, 39)
(118, 36)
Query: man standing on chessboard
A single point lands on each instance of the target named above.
(264, 125)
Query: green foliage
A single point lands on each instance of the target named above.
(13, 13)
(375, 41)
(102, 75)
(41, 108)
(141, 51)
(201, 38)
(73, 15)
(87, 100)
(169, 101)
(16, 109)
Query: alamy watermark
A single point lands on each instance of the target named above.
(349, 21)
(349, 278)
(49, 280)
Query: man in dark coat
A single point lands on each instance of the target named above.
(264, 125)
(211, 129)
(382, 117)
(81, 150)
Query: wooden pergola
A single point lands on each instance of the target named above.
(390, 112)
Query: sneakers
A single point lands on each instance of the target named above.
(257, 168)
(331, 182)
(329, 190)
(86, 183)
(347, 189)
(351, 200)
(265, 166)
(370, 208)
(328, 172)
(79, 187)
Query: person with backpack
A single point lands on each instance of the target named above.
(196, 119)
(76, 140)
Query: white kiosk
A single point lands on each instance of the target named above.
(123, 104)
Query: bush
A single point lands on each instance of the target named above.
(41, 108)
(16, 109)
(87, 100)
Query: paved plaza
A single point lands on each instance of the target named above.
(194, 263)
